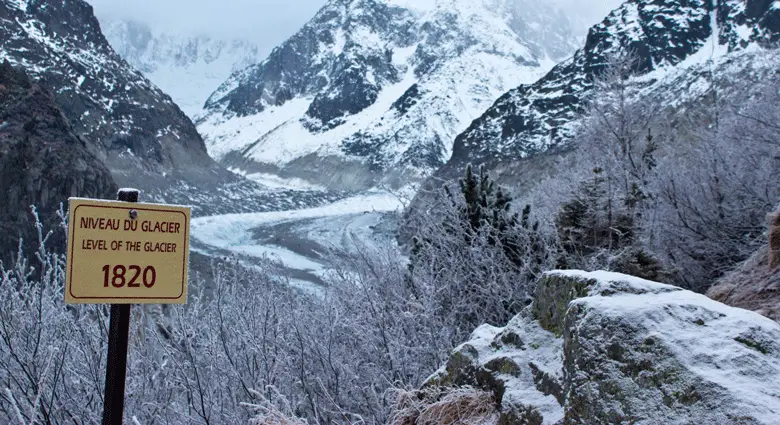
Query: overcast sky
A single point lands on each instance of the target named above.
(266, 22)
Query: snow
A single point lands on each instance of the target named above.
(541, 348)
(339, 42)
(285, 256)
(274, 182)
(480, 56)
(216, 227)
(414, 5)
(233, 232)
(188, 67)
(710, 350)
(605, 280)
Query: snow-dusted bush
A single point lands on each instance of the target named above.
(715, 191)
(247, 346)
(673, 195)
(51, 356)
(476, 255)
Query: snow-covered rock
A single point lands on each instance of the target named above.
(369, 89)
(189, 67)
(606, 348)
(680, 45)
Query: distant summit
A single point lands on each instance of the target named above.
(187, 67)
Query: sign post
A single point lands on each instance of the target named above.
(123, 253)
(116, 359)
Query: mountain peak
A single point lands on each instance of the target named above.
(189, 67)
(665, 35)
(381, 85)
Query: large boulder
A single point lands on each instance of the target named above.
(606, 348)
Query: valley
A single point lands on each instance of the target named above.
(403, 212)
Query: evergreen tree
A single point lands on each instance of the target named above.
(597, 229)
(476, 254)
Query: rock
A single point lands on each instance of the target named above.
(637, 351)
(525, 376)
(606, 348)
(42, 163)
(520, 415)
(754, 284)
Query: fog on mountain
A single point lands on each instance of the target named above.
(427, 212)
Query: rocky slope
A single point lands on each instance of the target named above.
(188, 67)
(371, 89)
(605, 348)
(132, 126)
(42, 163)
(755, 284)
(676, 43)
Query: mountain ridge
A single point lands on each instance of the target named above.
(128, 123)
(372, 89)
(664, 35)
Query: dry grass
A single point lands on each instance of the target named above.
(444, 406)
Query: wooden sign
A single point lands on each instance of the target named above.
(127, 253)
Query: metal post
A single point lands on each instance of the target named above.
(116, 360)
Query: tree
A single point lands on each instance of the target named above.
(599, 226)
(478, 256)
(716, 188)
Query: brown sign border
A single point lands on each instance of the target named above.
(137, 207)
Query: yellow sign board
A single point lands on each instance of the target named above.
(127, 253)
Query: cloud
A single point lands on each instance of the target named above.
(267, 22)
(586, 13)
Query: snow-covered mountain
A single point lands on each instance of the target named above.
(126, 121)
(683, 46)
(371, 89)
(188, 67)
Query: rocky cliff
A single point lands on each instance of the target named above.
(605, 348)
(42, 163)
(127, 122)
(679, 44)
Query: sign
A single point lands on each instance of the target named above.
(127, 253)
